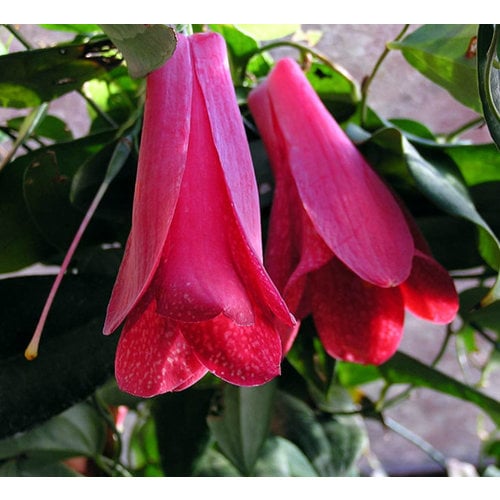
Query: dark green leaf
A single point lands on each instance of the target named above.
(488, 43)
(215, 464)
(34, 467)
(348, 440)
(403, 369)
(297, 422)
(50, 127)
(281, 458)
(242, 426)
(32, 228)
(74, 357)
(145, 47)
(441, 53)
(79, 431)
(31, 77)
(181, 427)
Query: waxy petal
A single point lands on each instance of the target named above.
(241, 355)
(161, 166)
(349, 206)
(152, 355)
(197, 278)
(356, 321)
(212, 71)
(429, 292)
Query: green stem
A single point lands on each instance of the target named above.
(303, 50)
(29, 125)
(369, 79)
(418, 441)
(464, 128)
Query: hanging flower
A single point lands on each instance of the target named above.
(340, 247)
(191, 286)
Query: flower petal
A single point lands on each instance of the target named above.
(212, 71)
(241, 355)
(356, 321)
(197, 277)
(152, 356)
(429, 292)
(350, 207)
(162, 159)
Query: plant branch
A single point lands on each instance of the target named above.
(369, 79)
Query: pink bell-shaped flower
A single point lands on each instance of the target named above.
(340, 246)
(192, 287)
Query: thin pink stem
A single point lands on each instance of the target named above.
(31, 351)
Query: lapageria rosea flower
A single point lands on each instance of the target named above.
(340, 246)
(192, 287)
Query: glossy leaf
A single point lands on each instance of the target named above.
(281, 458)
(488, 43)
(29, 78)
(243, 425)
(50, 127)
(34, 467)
(74, 357)
(440, 53)
(182, 429)
(145, 47)
(79, 431)
(478, 163)
(403, 369)
(337, 89)
(33, 188)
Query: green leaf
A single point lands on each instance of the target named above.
(181, 427)
(488, 43)
(145, 47)
(264, 32)
(241, 48)
(50, 127)
(281, 458)
(298, 424)
(336, 88)
(332, 444)
(353, 375)
(440, 53)
(34, 467)
(243, 424)
(29, 78)
(74, 357)
(403, 369)
(478, 163)
(79, 431)
(36, 216)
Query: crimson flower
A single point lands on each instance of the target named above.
(340, 246)
(191, 286)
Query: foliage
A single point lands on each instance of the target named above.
(311, 420)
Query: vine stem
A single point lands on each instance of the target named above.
(369, 79)
(303, 50)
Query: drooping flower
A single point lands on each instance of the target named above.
(192, 287)
(340, 246)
